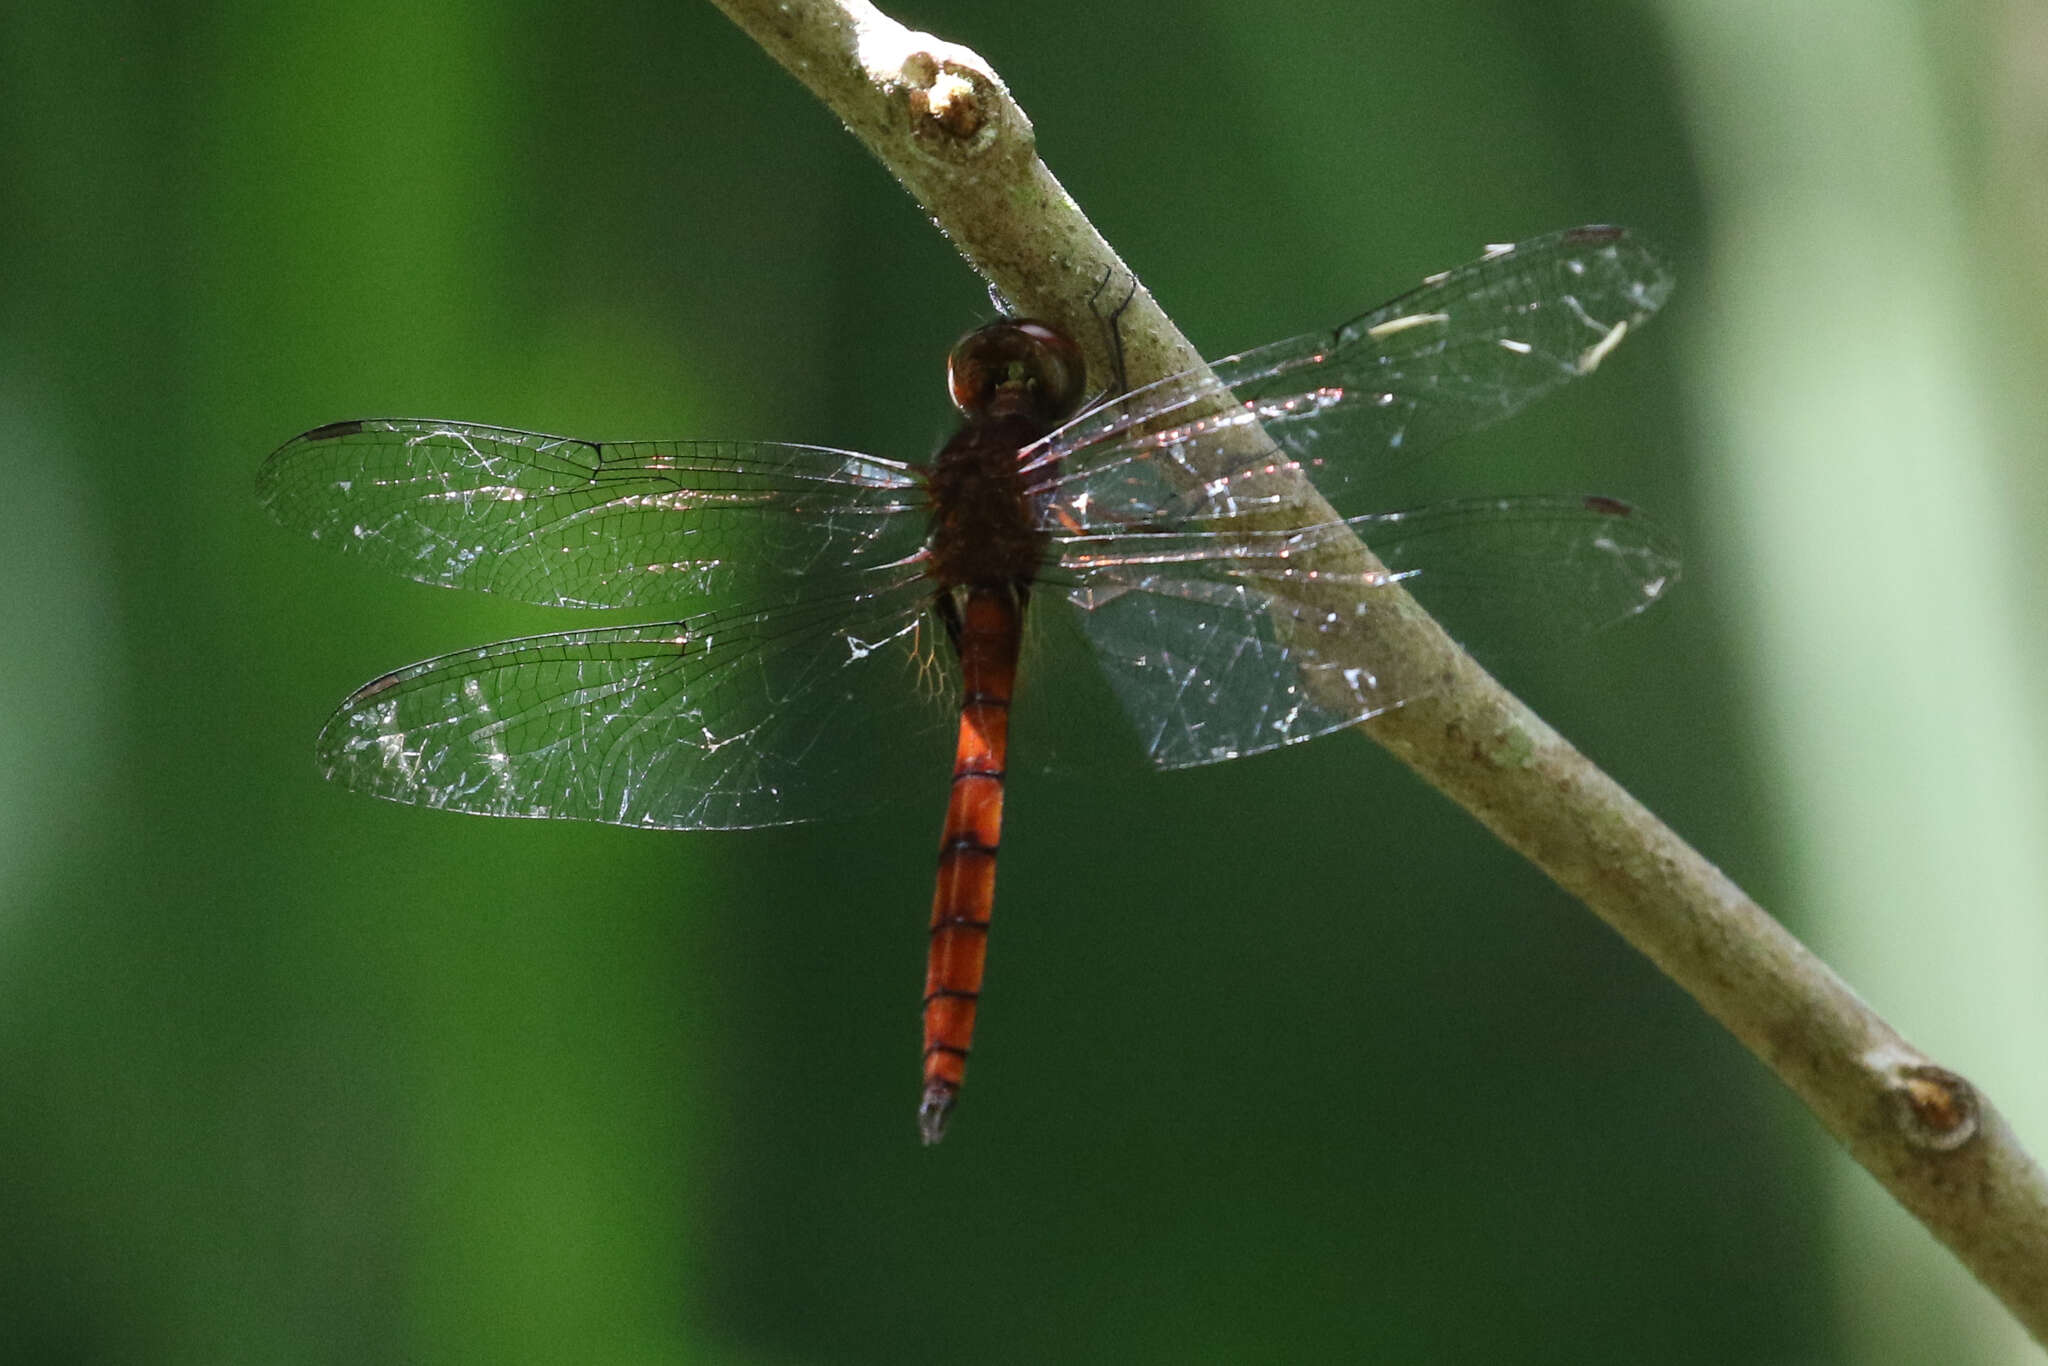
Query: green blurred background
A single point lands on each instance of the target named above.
(1283, 1060)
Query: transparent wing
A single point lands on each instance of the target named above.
(1467, 348)
(1222, 642)
(562, 522)
(720, 721)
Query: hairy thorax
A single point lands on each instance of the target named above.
(984, 532)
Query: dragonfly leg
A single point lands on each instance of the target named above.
(1120, 382)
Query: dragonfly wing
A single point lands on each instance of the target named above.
(719, 721)
(1489, 568)
(1209, 660)
(562, 522)
(1465, 349)
(1220, 642)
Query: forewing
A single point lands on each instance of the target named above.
(563, 522)
(1220, 642)
(720, 721)
(1467, 348)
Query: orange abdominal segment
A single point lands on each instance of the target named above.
(990, 631)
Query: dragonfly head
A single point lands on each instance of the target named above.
(1016, 366)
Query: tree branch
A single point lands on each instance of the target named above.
(946, 127)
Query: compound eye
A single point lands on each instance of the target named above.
(1056, 367)
(1019, 364)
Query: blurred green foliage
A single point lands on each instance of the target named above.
(1281, 1061)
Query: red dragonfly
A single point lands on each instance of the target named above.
(1138, 514)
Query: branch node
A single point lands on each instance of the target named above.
(950, 109)
(1935, 1108)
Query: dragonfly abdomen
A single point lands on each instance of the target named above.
(988, 628)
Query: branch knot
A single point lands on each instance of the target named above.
(1935, 1108)
(956, 112)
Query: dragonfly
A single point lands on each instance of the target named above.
(817, 594)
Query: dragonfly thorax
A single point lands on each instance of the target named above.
(984, 521)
